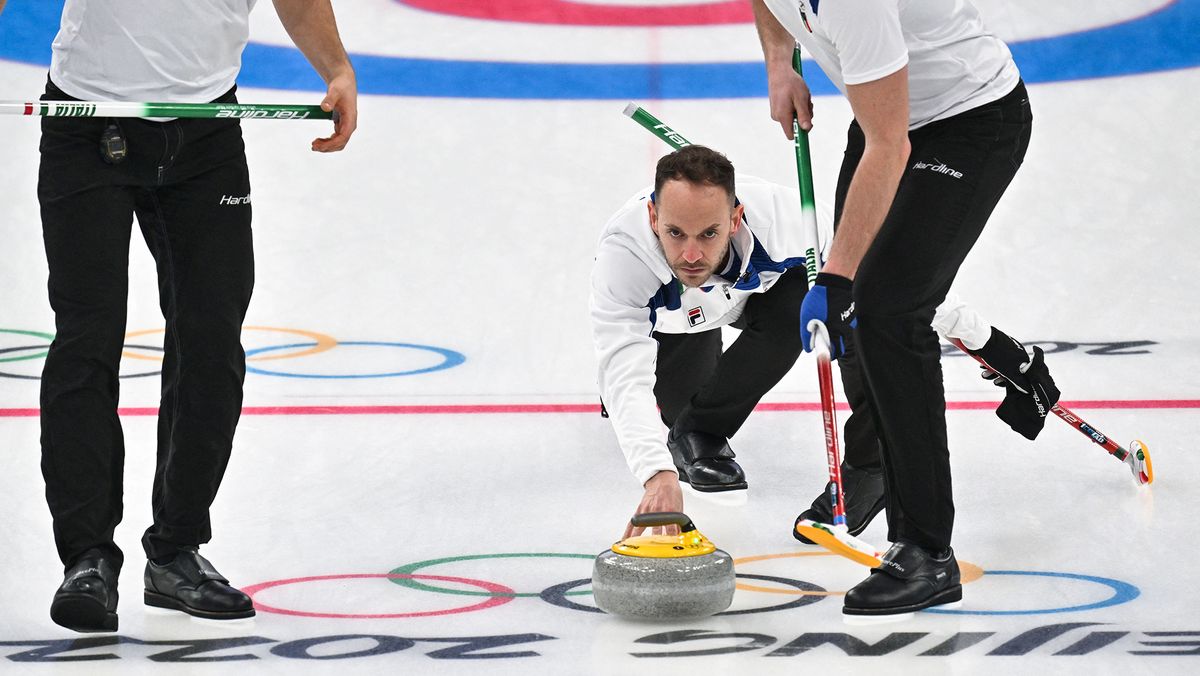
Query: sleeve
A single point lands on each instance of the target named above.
(955, 319)
(627, 352)
(868, 38)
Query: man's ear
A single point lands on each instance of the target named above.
(653, 217)
(738, 212)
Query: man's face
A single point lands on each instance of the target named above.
(694, 223)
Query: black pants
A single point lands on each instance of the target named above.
(188, 184)
(957, 172)
(699, 388)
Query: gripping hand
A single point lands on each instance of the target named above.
(829, 301)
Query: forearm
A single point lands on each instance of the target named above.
(626, 379)
(312, 27)
(777, 43)
(867, 203)
(2, 6)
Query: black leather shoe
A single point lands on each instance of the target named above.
(863, 491)
(87, 598)
(909, 579)
(192, 585)
(705, 461)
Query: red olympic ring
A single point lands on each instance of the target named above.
(575, 13)
(503, 595)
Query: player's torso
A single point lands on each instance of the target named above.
(150, 50)
(954, 62)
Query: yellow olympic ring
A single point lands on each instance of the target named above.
(969, 572)
(324, 343)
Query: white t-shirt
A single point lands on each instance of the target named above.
(179, 51)
(954, 63)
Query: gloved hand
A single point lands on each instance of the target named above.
(1030, 391)
(830, 302)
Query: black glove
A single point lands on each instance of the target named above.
(1030, 392)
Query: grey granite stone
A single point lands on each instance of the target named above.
(690, 586)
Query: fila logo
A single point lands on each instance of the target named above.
(695, 316)
(939, 168)
(230, 200)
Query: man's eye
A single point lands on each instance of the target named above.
(675, 233)
(710, 234)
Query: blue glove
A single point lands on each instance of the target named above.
(829, 300)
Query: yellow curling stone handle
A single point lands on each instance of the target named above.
(689, 542)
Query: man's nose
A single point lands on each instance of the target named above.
(692, 253)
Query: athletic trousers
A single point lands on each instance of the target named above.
(187, 182)
(699, 388)
(957, 171)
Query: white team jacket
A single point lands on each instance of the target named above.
(634, 293)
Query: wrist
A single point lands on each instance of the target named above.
(834, 280)
(780, 68)
(342, 71)
(662, 478)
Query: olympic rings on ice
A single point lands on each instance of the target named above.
(806, 593)
(450, 359)
(405, 580)
(1123, 592)
(315, 343)
(499, 596)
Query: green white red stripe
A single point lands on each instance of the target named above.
(244, 111)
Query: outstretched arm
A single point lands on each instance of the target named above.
(312, 26)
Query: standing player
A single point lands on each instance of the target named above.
(681, 260)
(187, 183)
(942, 122)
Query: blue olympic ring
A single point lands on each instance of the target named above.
(1164, 39)
(1123, 592)
(450, 359)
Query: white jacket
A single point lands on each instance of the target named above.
(635, 293)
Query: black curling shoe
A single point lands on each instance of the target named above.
(87, 598)
(705, 461)
(863, 492)
(191, 584)
(909, 579)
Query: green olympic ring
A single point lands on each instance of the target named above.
(408, 569)
(35, 334)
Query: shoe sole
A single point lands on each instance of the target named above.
(82, 613)
(158, 600)
(948, 595)
(708, 488)
(717, 488)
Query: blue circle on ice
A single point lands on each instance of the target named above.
(1164, 39)
(449, 359)
(1122, 592)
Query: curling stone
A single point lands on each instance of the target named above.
(663, 576)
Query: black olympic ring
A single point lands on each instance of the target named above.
(18, 376)
(557, 595)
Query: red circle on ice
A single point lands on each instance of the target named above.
(576, 13)
(503, 595)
